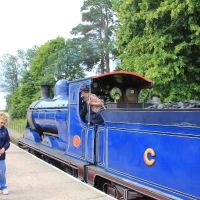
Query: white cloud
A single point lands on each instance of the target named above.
(25, 23)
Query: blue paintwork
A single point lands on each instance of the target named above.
(177, 148)
(157, 117)
(50, 141)
(118, 146)
(31, 135)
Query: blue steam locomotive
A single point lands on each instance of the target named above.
(137, 153)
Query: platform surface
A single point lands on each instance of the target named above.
(31, 178)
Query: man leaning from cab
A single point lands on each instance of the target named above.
(94, 104)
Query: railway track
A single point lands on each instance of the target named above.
(14, 140)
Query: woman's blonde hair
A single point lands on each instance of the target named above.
(4, 116)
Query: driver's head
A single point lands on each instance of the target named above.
(84, 91)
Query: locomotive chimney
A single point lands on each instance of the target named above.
(45, 91)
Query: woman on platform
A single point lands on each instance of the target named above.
(4, 145)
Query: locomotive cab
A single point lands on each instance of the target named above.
(119, 89)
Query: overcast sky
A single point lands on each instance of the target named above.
(25, 23)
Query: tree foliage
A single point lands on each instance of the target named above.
(11, 71)
(160, 40)
(96, 34)
(56, 59)
(13, 67)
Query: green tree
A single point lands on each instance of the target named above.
(96, 35)
(11, 72)
(23, 96)
(26, 57)
(56, 59)
(13, 67)
(160, 40)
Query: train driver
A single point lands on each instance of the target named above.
(94, 104)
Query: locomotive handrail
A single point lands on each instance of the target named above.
(97, 145)
(89, 105)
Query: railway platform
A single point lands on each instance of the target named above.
(31, 178)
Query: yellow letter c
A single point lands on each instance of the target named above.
(146, 159)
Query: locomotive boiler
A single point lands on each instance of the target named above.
(139, 152)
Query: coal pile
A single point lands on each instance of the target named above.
(187, 104)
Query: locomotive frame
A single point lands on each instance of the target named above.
(133, 154)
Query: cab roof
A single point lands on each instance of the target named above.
(125, 78)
